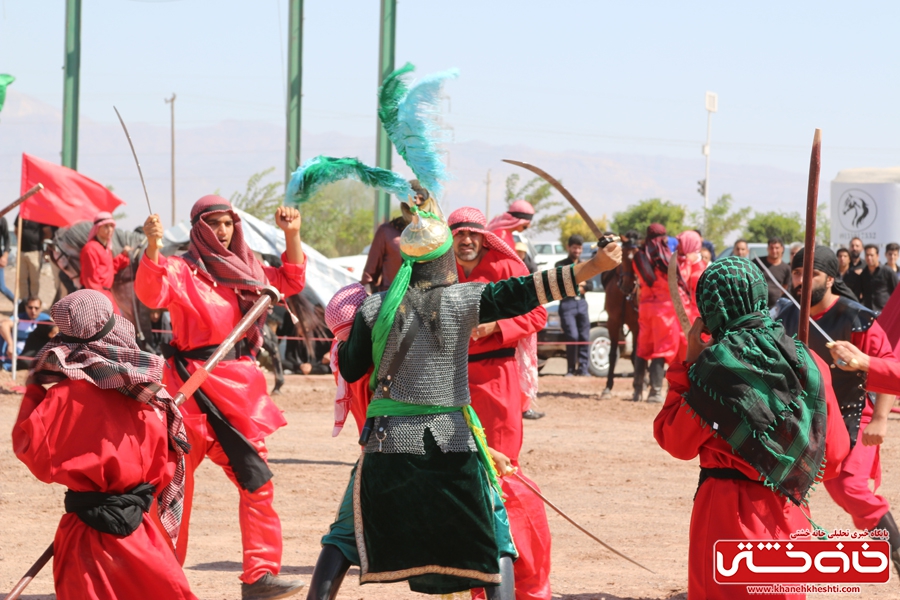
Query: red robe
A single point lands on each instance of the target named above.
(660, 334)
(727, 509)
(691, 273)
(497, 399)
(99, 268)
(93, 440)
(204, 315)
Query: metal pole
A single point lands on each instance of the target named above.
(706, 152)
(70, 84)
(295, 87)
(384, 149)
(172, 102)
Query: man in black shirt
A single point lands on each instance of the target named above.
(857, 262)
(573, 315)
(778, 268)
(32, 246)
(877, 282)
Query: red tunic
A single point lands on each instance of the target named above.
(204, 315)
(732, 509)
(691, 273)
(99, 268)
(93, 440)
(497, 399)
(660, 334)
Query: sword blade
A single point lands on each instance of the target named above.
(136, 161)
(577, 526)
(791, 298)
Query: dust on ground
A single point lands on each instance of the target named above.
(596, 459)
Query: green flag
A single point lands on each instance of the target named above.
(5, 80)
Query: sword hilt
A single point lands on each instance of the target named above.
(606, 240)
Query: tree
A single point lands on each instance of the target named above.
(548, 211)
(718, 221)
(337, 220)
(572, 223)
(259, 199)
(763, 226)
(823, 225)
(645, 212)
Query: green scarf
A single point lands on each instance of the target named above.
(759, 388)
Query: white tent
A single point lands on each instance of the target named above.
(323, 277)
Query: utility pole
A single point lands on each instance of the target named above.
(712, 105)
(71, 68)
(171, 101)
(487, 200)
(295, 87)
(384, 149)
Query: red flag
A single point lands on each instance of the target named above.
(68, 196)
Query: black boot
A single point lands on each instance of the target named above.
(887, 522)
(507, 588)
(328, 574)
(270, 587)
(640, 369)
(657, 375)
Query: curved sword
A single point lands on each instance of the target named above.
(140, 172)
(677, 302)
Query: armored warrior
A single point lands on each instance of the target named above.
(835, 311)
(422, 505)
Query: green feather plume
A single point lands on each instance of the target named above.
(322, 170)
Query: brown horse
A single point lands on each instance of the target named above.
(620, 286)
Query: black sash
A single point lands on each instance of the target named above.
(499, 353)
(720, 473)
(116, 514)
(250, 470)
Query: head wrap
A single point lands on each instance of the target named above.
(689, 242)
(654, 254)
(234, 267)
(339, 316)
(96, 346)
(472, 219)
(759, 388)
(520, 212)
(825, 260)
(102, 218)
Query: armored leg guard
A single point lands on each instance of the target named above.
(328, 574)
(507, 588)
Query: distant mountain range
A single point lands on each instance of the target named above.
(223, 156)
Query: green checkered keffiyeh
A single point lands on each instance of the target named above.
(759, 388)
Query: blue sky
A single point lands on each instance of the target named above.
(624, 77)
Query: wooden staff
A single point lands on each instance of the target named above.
(15, 319)
(812, 204)
(268, 297)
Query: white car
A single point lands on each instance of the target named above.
(549, 253)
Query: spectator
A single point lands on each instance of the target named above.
(706, 255)
(891, 252)
(795, 248)
(4, 258)
(33, 236)
(708, 246)
(856, 255)
(778, 268)
(522, 250)
(32, 336)
(159, 323)
(843, 257)
(877, 282)
(98, 266)
(573, 315)
(741, 249)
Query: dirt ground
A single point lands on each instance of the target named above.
(596, 459)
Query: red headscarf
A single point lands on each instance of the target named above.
(520, 213)
(472, 219)
(102, 218)
(654, 254)
(234, 267)
(689, 242)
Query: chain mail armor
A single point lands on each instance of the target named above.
(435, 371)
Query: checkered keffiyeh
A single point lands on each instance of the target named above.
(96, 346)
(759, 388)
(339, 316)
(234, 267)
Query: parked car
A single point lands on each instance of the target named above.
(549, 253)
(551, 339)
(756, 249)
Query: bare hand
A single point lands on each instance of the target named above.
(288, 219)
(873, 434)
(696, 345)
(502, 462)
(4, 260)
(9, 350)
(127, 250)
(153, 229)
(485, 330)
(608, 258)
(848, 357)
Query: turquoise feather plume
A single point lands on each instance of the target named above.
(322, 170)
(409, 116)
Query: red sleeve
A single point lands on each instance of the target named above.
(152, 282)
(375, 261)
(121, 262)
(884, 370)
(517, 328)
(677, 432)
(289, 278)
(96, 267)
(29, 436)
(837, 440)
